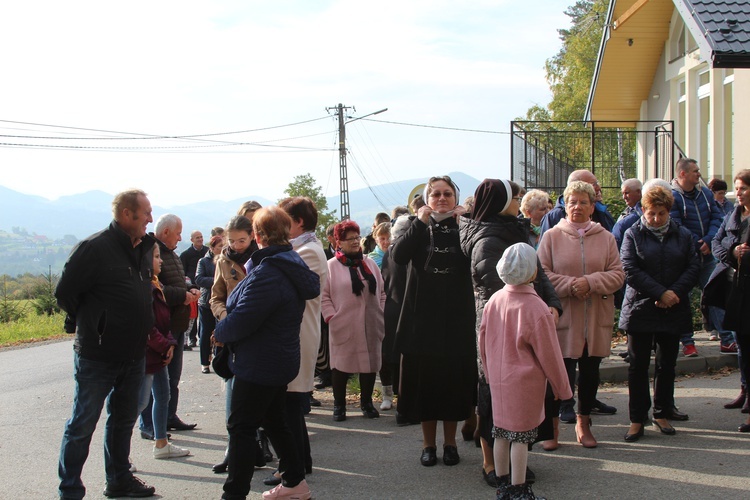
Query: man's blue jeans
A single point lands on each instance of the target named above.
(117, 383)
(708, 263)
(157, 384)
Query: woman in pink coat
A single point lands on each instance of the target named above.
(581, 260)
(520, 353)
(352, 305)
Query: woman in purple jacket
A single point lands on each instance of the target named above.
(159, 349)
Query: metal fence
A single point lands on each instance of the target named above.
(544, 153)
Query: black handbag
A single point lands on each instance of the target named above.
(220, 363)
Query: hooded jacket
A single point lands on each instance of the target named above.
(484, 243)
(697, 211)
(652, 267)
(105, 289)
(264, 314)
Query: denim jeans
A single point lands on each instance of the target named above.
(175, 372)
(117, 383)
(206, 325)
(156, 385)
(708, 263)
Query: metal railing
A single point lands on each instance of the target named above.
(544, 153)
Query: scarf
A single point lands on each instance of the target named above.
(581, 227)
(303, 239)
(155, 283)
(353, 263)
(239, 258)
(491, 197)
(660, 232)
(377, 256)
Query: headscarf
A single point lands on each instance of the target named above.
(491, 197)
(518, 264)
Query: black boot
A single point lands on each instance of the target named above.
(221, 467)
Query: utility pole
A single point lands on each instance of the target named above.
(343, 175)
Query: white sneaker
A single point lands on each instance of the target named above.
(387, 403)
(132, 465)
(170, 451)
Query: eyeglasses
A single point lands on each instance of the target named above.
(438, 194)
(517, 198)
(352, 239)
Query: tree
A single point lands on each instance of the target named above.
(304, 185)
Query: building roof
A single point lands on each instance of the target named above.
(721, 28)
(633, 41)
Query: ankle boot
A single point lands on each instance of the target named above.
(583, 431)
(739, 401)
(552, 444)
(387, 403)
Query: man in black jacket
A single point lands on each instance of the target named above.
(189, 259)
(105, 289)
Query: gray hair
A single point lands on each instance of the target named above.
(534, 198)
(633, 183)
(650, 184)
(166, 221)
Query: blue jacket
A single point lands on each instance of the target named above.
(204, 277)
(697, 211)
(652, 267)
(264, 313)
(601, 215)
(624, 223)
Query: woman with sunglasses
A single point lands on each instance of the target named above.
(436, 330)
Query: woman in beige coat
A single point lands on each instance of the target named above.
(581, 260)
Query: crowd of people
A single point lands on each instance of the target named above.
(490, 313)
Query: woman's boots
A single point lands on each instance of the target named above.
(741, 401)
(583, 431)
(552, 444)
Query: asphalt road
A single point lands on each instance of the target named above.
(362, 459)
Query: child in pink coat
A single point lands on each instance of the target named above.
(520, 352)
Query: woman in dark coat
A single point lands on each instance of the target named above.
(486, 233)
(204, 278)
(729, 284)
(261, 329)
(661, 267)
(436, 331)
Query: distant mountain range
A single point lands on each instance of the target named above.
(83, 214)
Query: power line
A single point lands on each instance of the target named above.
(149, 136)
(435, 126)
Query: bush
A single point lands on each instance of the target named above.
(10, 310)
(44, 294)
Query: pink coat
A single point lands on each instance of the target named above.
(355, 323)
(520, 353)
(565, 255)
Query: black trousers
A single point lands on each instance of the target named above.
(588, 379)
(339, 380)
(640, 345)
(256, 406)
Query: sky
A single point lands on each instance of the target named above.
(100, 95)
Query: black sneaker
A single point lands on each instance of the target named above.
(600, 408)
(567, 413)
(132, 488)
